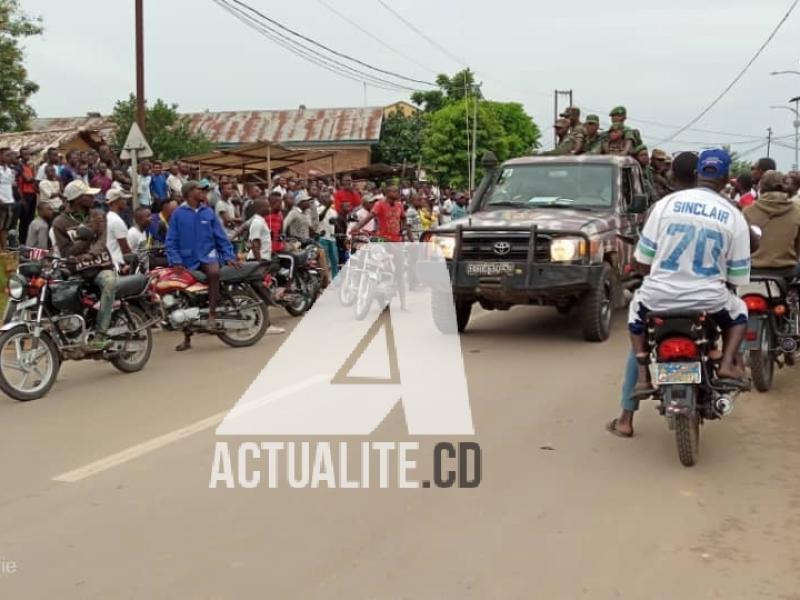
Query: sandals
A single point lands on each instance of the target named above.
(611, 427)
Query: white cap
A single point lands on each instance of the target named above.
(116, 193)
(77, 188)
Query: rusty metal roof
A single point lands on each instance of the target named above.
(311, 125)
(302, 125)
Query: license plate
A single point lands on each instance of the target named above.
(678, 373)
(490, 268)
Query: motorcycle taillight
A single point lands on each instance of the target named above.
(755, 303)
(677, 348)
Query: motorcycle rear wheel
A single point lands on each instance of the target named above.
(257, 314)
(687, 437)
(14, 356)
(762, 367)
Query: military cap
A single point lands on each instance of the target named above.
(618, 111)
(562, 123)
(659, 154)
(592, 119)
(570, 111)
(640, 148)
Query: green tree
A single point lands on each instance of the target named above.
(451, 89)
(503, 128)
(401, 139)
(168, 133)
(15, 87)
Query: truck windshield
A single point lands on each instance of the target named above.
(580, 186)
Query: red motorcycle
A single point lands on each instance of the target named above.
(242, 318)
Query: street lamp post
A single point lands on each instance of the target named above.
(796, 112)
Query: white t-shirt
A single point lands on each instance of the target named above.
(259, 230)
(7, 175)
(327, 230)
(226, 208)
(115, 229)
(695, 241)
(46, 190)
(135, 237)
(174, 183)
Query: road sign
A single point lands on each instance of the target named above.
(135, 142)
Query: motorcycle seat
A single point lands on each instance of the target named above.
(131, 285)
(247, 271)
(783, 277)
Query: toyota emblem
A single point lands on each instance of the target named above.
(502, 248)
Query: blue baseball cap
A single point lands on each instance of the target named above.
(714, 163)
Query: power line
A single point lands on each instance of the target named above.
(328, 49)
(737, 78)
(422, 34)
(368, 33)
(311, 55)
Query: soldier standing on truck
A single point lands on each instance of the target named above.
(615, 142)
(576, 130)
(619, 114)
(565, 143)
(593, 139)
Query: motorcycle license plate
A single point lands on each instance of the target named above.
(678, 373)
(490, 268)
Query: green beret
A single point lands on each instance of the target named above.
(592, 119)
(618, 111)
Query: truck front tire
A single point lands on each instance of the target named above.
(597, 306)
(440, 305)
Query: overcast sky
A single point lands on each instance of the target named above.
(665, 61)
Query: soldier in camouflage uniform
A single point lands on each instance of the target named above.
(576, 130)
(615, 142)
(642, 156)
(661, 184)
(593, 139)
(618, 114)
(566, 143)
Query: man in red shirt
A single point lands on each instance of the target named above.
(346, 199)
(744, 185)
(275, 220)
(391, 216)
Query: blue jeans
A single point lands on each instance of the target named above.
(629, 383)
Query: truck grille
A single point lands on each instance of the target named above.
(482, 248)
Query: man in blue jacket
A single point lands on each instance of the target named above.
(196, 240)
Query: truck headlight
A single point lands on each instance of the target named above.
(446, 244)
(565, 249)
(16, 287)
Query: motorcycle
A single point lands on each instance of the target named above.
(370, 275)
(293, 281)
(242, 317)
(773, 327)
(354, 267)
(683, 374)
(52, 317)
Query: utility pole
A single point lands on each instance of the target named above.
(140, 115)
(796, 101)
(556, 94)
(769, 140)
(477, 90)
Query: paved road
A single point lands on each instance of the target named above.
(565, 510)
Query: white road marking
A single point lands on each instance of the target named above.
(138, 450)
(134, 452)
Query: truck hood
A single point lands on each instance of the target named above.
(559, 218)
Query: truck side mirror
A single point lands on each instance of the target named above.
(639, 204)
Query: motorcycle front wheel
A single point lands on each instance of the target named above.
(131, 362)
(364, 296)
(28, 365)
(255, 315)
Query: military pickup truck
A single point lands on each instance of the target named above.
(552, 231)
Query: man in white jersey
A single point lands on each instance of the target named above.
(694, 245)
